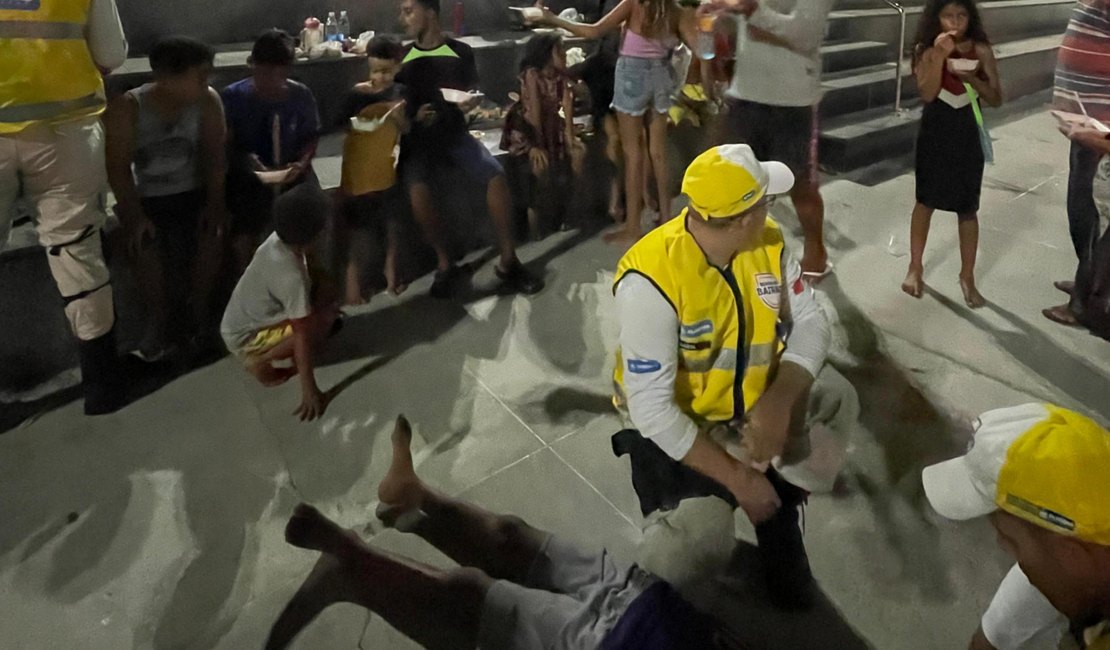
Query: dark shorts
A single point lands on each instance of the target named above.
(176, 220)
(782, 133)
(422, 161)
(374, 209)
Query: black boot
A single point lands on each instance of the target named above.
(782, 552)
(100, 374)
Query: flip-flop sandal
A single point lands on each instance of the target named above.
(813, 277)
(1053, 314)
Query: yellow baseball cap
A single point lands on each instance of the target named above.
(1042, 463)
(727, 180)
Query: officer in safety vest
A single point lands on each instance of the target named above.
(52, 54)
(705, 303)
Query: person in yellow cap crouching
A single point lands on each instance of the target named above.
(52, 146)
(704, 303)
(1040, 472)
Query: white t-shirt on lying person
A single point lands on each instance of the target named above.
(274, 289)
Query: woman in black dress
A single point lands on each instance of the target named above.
(952, 54)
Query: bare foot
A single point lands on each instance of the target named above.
(1061, 314)
(621, 236)
(914, 285)
(401, 490)
(329, 582)
(972, 297)
(354, 295)
(393, 283)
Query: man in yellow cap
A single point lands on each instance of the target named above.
(52, 53)
(705, 304)
(1040, 472)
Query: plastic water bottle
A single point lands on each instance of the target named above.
(707, 45)
(344, 26)
(331, 28)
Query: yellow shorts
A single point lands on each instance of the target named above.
(265, 340)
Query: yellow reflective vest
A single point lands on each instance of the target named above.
(47, 73)
(728, 318)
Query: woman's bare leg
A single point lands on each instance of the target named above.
(632, 142)
(504, 547)
(914, 284)
(969, 249)
(657, 147)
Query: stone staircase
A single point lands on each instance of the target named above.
(858, 122)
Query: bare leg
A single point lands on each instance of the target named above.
(242, 250)
(437, 609)
(358, 257)
(914, 284)
(657, 147)
(427, 217)
(811, 214)
(969, 248)
(500, 202)
(151, 280)
(615, 156)
(651, 201)
(504, 547)
(393, 282)
(632, 141)
(262, 366)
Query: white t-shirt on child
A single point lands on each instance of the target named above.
(273, 289)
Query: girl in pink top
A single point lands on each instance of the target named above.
(642, 94)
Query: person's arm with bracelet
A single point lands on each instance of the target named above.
(649, 349)
(611, 21)
(783, 403)
(104, 36)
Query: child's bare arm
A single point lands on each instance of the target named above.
(312, 400)
(119, 151)
(214, 158)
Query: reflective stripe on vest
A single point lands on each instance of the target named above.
(728, 336)
(47, 110)
(42, 31)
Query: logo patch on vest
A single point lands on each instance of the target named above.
(700, 328)
(20, 5)
(769, 290)
(643, 366)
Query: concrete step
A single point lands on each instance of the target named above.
(1004, 20)
(851, 140)
(847, 55)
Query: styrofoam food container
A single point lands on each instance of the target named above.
(529, 13)
(459, 96)
(962, 65)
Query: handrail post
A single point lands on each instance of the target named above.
(897, 6)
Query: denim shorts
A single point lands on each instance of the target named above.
(642, 84)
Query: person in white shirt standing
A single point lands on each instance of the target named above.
(52, 145)
(772, 100)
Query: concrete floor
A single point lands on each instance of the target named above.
(161, 526)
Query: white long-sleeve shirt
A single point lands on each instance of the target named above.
(766, 73)
(649, 332)
(104, 35)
